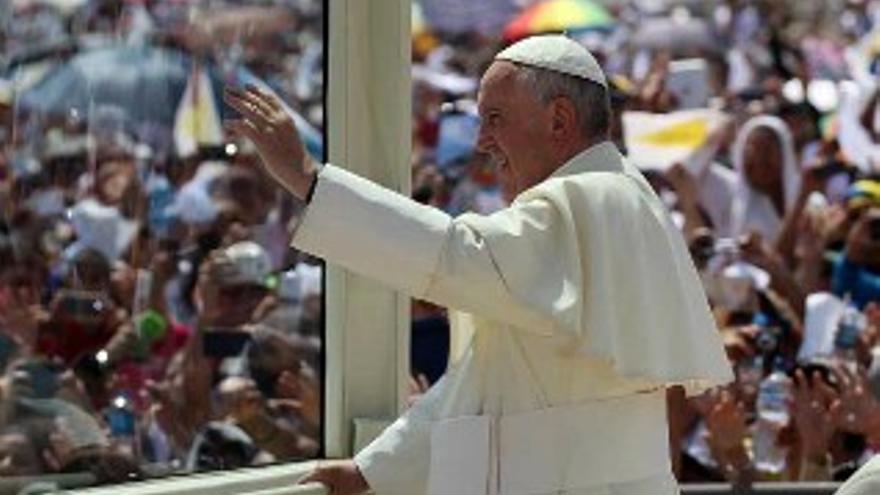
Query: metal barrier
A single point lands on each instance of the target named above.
(309, 489)
(81, 480)
(11, 485)
(276, 479)
(779, 488)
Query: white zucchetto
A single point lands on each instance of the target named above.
(557, 53)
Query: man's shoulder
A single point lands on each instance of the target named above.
(593, 179)
(592, 189)
(598, 184)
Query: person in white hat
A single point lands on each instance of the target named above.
(575, 307)
(233, 285)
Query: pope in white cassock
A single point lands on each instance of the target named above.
(580, 300)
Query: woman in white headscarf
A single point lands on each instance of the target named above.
(769, 177)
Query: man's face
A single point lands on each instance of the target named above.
(762, 160)
(230, 305)
(222, 303)
(114, 181)
(514, 130)
(862, 245)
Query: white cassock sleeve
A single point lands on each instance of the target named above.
(420, 250)
(593, 257)
(865, 481)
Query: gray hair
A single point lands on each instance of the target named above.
(591, 100)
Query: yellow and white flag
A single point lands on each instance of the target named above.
(660, 140)
(197, 121)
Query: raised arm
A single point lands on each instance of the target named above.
(422, 251)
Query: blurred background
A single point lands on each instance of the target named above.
(757, 123)
(153, 319)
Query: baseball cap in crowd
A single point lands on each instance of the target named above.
(863, 193)
(242, 263)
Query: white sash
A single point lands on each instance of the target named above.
(461, 456)
(555, 449)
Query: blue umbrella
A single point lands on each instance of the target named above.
(144, 82)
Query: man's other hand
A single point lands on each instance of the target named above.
(340, 477)
(272, 129)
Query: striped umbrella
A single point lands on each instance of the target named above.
(553, 16)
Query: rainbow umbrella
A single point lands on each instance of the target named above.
(554, 16)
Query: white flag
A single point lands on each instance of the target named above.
(660, 140)
(197, 121)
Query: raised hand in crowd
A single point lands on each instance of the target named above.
(304, 392)
(726, 422)
(812, 180)
(856, 410)
(757, 252)
(688, 197)
(815, 410)
(816, 232)
(653, 96)
(182, 400)
(163, 415)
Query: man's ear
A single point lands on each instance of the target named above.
(564, 118)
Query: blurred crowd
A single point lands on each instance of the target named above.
(758, 124)
(153, 319)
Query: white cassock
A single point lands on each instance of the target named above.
(578, 305)
(865, 481)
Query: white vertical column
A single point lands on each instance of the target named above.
(368, 132)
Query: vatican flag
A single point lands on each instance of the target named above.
(197, 121)
(660, 140)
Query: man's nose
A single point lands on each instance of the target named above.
(485, 141)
